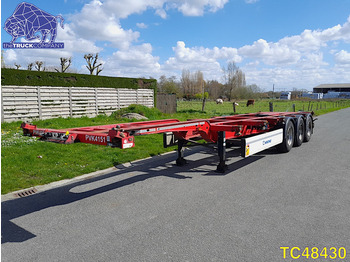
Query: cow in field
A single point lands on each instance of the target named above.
(250, 102)
(219, 101)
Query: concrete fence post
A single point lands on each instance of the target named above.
(70, 102)
(96, 102)
(118, 99)
(39, 103)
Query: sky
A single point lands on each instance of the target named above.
(282, 43)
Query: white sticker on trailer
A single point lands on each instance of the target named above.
(128, 145)
(261, 142)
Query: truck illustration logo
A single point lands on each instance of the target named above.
(32, 23)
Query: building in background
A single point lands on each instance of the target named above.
(333, 90)
(326, 88)
(333, 94)
(285, 95)
(313, 95)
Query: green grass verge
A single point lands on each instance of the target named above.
(27, 162)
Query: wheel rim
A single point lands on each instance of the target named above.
(290, 136)
(301, 132)
(309, 127)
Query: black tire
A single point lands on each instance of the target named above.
(309, 128)
(288, 136)
(299, 131)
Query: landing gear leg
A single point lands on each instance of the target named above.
(181, 161)
(222, 167)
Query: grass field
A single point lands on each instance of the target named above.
(27, 162)
(211, 108)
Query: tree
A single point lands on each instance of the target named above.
(198, 81)
(17, 66)
(65, 64)
(240, 83)
(234, 79)
(169, 86)
(38, 65)
(192, 83)
(30, 66)
(186, 82)
(215, 89)
(91, 60)
(98, 70)
(257, 91)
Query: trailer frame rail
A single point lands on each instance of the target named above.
(213, 130)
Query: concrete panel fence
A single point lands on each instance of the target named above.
(45, 102)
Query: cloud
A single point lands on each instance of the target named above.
(312, 61)
(139, 61)
(98, 23)
(293, 61)
(198, 7)
(141, 25)
(288, 78)
(251, 1)
(199, 58)
(342, 58)
(162, 13)
(124, 8)
(10, 56)
(310, 40)
(197, 55)
(100, 20)
(306, 41)
(135, 62)
(73, 42)
(304, 50)
(270, 53)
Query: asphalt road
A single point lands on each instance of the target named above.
(155, 211)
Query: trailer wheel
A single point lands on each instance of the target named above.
(308, 128)
(299, 131)
(288, 137)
